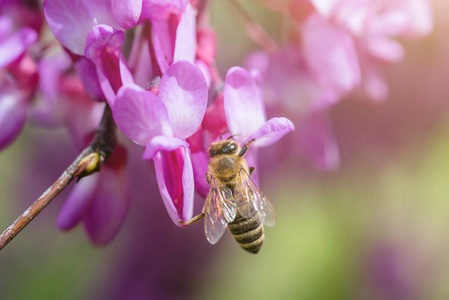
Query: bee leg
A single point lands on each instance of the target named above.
(192, 220)
(251, 170)
(245, 147)
(207, 178)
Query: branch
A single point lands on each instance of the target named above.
(89, 161)
(253, 29)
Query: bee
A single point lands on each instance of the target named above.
(234, 200)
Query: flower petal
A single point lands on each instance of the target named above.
(14, 45)
(71, 20)
(184, 91)
(13, 113)
(109, 206)
(180, 207)
(126, 13)
(200, 162)
(243, 103)
(330, 53)
(185, 44)
(77, 202)
(140, 115)
(271, 131)
(162, 142)
(318, 142)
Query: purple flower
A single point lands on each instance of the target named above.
(242, 112)
(18, 78)
(95, 29)
(174, 30)
(161, 123)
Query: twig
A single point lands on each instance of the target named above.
(89, 161)
(253, 29)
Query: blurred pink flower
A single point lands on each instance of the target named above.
(18, 78)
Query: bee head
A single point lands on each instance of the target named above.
(223, 147)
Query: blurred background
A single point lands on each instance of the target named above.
(376, 228)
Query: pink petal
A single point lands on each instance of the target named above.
(386, 49)
(162, 9)
(71, 20)
(184, 91)
(88, 75)
(140, 114)
(14, 45)
(77, 202)
(126, 13)
(185, 45)
(162, 142)
(200, 162)
(6, 27)
(108, 208)
(420, 18)
(101, 39)
(324, 7)
(163, 43)
(176, 186)
(243, 103)
(13, 113)
(318, 142)
(330, 53)
(271, 131)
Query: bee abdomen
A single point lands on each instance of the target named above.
(247, 232)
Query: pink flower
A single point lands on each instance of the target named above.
(161, 124)
(95, 29)
(242, 112)
(174, 30)
(18, 78)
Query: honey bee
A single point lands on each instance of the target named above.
(234, 200)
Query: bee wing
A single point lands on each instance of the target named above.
(221, 211)
(250, 200)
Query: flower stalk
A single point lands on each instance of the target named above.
(88, 162)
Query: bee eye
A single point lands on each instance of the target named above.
(212, 152)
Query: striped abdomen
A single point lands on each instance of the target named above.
(247, 232)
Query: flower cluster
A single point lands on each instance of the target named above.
(334, 48)
(153, 63)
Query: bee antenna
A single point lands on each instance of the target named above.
(232, 136)
(221, 135)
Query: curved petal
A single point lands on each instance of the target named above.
(162, 142)
(200, 162)
(330, 53)
(77, 202)
(162, 9)
(109, 206)
(88, 75)
(101, 38)
(13, 46)
(13, 114)
(71, 20)
(140, 115)
(318, 142)
(126, 13)
(163, 44)
(184, 91)
(176, 186)
(271, 131)
(185, 44)
(243, 103)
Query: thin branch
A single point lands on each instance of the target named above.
(89, 161)
(253, 29)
